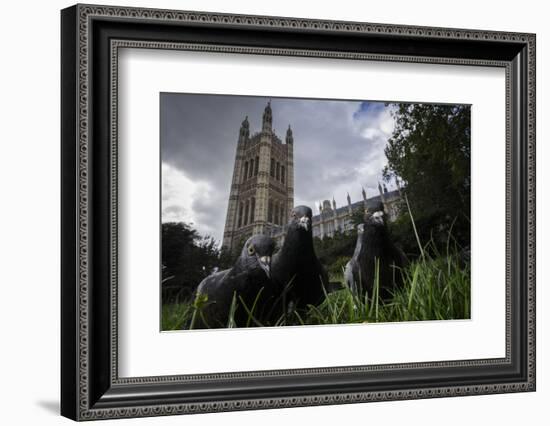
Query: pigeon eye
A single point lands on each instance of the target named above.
(251, 250)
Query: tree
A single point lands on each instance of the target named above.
(357, 216)
(332, 251)
(187, 258)
(429, 151)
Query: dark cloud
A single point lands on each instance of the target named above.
(338, 148)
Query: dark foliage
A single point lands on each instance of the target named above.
(187, 258)
(332, 251)
(429, 151)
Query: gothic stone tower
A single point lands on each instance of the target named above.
(262, 188)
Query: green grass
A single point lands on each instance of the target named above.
(435, 287)
(177, 316)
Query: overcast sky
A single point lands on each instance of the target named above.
(338, 147)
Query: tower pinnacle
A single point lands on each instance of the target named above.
(244, 132)
(365, 206)
(289, 137)
(267, 119)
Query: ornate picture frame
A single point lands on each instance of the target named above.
(91, 37)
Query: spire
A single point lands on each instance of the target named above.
(382, 193)
(320, 207)
(289, 137)
(267, 119)
(349, 200)
(333, 203)
(364, 194)
(244, 132)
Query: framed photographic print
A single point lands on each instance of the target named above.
(263, 212)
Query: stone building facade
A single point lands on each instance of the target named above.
(332, 219)
(262, 191)
(262, 187)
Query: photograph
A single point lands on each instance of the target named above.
(302, 212)
(272, 208)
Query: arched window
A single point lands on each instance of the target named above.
(278, 172)
(240, 214)
(283, 174)
(252, 208)
(251, 168)
(270, 211)
(246, 211)
(256, 165)
(276, 213)
(245, 175)
(272, 172)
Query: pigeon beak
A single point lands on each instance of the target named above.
(304, 222)
(265, 264)
(378, 218)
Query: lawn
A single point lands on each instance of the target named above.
(435, 287)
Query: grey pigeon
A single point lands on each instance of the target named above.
(373, 246)
(296, 270)
(249, 275)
